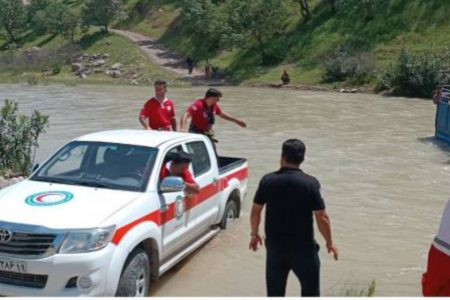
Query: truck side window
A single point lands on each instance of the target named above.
(170, 155)
(201, 163)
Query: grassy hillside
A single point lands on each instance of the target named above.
(119, 49)
(375, 40)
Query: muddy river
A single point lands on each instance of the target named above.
(385, 180)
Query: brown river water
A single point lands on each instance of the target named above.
(383, 176)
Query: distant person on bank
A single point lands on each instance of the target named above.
(436, 280)
(291, 198)
(285, 78)
(202, 114)
(190, 64)
(158, 112)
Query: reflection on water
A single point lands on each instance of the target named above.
(385, 181)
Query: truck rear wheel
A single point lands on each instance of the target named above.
(135, 278)
(231, 213)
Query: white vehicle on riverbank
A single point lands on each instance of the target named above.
(95, 219)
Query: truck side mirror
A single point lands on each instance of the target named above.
(172, 184)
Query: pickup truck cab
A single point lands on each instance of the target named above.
(96, 219)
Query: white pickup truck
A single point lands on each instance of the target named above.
(95, 218)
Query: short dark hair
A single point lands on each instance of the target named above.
(160, 82)
(213, 93)
(181, 157)
(293, 151)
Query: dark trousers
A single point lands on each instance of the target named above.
(304, 263)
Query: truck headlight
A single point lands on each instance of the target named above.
(81, 241)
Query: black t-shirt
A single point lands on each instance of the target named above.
(290, 197)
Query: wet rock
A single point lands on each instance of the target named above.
(117, 66)
(77, 67)
(83, 76)
(99, 63)
(106, 55)
(134, 82)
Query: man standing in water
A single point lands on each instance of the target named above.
(291, 198)
(203, 113)
(158, 112)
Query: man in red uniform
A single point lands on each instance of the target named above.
(179, 166)
(436, 280)
(158, 113)
(203, 112)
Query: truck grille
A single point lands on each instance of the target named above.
(25, 280)
(28, 244)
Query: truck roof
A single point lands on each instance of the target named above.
(134, 137)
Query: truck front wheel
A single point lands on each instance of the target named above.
(230, 214)
(135, 278)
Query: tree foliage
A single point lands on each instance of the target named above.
(101, 12)
(208, 19)
(19, 137)
(304, 9)
(12, 18)
(253, 24)
(414, 75)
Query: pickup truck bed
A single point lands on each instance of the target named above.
(228, 163)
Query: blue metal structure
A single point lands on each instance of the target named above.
(442, 122)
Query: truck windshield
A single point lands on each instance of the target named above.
(102, 165)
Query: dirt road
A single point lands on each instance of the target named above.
(168, 59)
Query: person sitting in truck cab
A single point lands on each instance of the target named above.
(179, 166)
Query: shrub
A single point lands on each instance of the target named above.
(413, 75)
(19, 138)
(342, 66)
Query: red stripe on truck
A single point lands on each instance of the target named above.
(160, 218)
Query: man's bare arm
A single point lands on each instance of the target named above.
(192, 188)
(228, 117)
(255, 220)
(324, 225)
(174, 123)
(184, 121)
(143, 120)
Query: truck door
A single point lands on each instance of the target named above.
(206, 204)
(173, 214)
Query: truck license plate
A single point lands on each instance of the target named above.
(15, 266)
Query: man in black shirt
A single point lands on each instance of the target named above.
(291, 198)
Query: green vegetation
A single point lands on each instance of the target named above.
(328, 42)
(368, 291)
(414, 75)
(371, 33)
(19, 140)
(101, 12)
(54, 33)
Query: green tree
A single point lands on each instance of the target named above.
(304, 9)
(53, 17)
(60, 20)
(34, 7)
(101, 12)
(332, 4)
(208, 20)
(12, 18)
(19, 138)
(254, 24)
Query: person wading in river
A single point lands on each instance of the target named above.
(158, 112)
(203, 112)
(291, 198)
